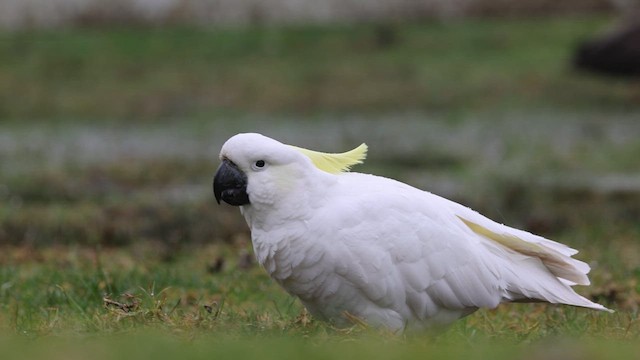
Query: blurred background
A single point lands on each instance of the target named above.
(112, 114)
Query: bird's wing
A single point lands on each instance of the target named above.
(442, 255)
(555, 256)
(401, 252)
(530, 267)
(534, 268)
(442, 270)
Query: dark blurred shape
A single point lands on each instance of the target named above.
(216, 266)
(614, 54)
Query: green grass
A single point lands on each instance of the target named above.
(168, 73)
(158, 345)
(115, 301)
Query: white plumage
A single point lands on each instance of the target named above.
(380, 250)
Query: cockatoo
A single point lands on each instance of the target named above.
(352, 245)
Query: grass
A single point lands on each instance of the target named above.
(176, 73)
(81, 300)
(111, 244)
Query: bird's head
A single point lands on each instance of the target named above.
(256, 169)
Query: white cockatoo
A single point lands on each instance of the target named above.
(352, 245)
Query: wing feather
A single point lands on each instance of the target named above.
(401, 253)
(555, 256)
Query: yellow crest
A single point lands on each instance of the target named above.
(335, 163)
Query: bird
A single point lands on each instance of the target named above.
(352, 245)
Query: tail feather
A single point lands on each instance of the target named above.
(533, 268)
(555, 256)
(532, 283)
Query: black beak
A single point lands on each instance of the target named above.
(230, 184)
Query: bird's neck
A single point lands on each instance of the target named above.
(278, 227)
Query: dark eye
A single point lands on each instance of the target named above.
(260, 163)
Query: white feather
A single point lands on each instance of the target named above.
(386, 252)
